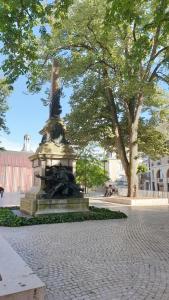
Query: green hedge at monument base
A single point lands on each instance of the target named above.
(8, 218)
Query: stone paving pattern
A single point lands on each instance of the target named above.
(108, 260)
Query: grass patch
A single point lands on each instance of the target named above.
(8, 218)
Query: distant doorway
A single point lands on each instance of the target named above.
(147, 186)
(168, 180)
(153, 186)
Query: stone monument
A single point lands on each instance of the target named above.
(55, 189)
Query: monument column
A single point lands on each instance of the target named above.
(55, 107)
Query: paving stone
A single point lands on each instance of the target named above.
(100, 260)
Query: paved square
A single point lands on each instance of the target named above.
(108, 260)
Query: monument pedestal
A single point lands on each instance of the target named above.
(34, 203)
(33, 206)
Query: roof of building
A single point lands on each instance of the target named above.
(15, 158)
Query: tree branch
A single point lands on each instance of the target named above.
(155, 44)
(134, 32)
(107, 64)
(70, 46)
(163, 78)
(154, 73)
(139, 105)
(154, 48)
(161, 8)
(159, 52)
(99, 43)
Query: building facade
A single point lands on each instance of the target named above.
(160, 174)
(16, 173)
(157, 177)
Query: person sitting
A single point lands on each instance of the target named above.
(113, 190)
(105, 194)
(108, 192)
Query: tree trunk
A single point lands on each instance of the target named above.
(117, 131)
(133, 162)
(132, 176)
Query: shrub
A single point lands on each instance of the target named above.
(8, 218)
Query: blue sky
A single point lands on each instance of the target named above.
(27, 115)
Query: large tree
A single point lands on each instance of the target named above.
(114, 54)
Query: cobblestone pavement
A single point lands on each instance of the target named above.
(109, 260)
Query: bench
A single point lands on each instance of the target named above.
(17, 280)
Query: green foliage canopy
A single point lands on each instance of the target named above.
(24, 24)
(142, 168)
(90, 167)
(4, 93)
(90, 173)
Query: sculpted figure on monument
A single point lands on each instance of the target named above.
(55, 107)
(45, 138)
(60, 183)
(58, 134)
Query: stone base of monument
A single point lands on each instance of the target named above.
(48, 206)
(33, 206)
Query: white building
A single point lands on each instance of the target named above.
(115, 170)
(155, 179)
